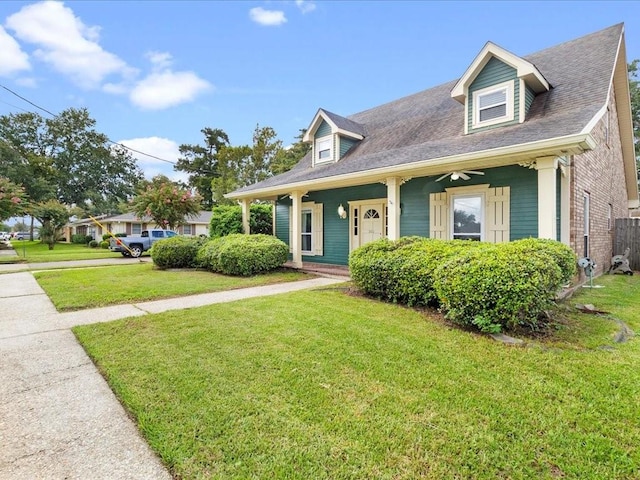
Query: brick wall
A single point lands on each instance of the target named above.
(600, 174)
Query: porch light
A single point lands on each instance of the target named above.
(342, 213)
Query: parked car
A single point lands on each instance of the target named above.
(5, 236)
(21, 236)
(135, 246)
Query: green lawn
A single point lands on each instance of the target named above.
(101, 286)
(35, 252)
(323, 385)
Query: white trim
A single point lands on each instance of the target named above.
(361, 205)
(316, 150)
(522, 100)
(508, 88)
(524, 70)
(483, 206)
(509, 155)
(313, 127)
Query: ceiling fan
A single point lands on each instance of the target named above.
(463, 174)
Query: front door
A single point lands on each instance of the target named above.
(367, 223)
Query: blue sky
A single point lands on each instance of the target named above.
(153, 74)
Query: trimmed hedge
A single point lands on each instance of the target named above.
(243, 255)
(176, 252)
(227, 219)
(80, 239)
(492, 287)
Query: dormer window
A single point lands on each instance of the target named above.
(493, 105)
(324, 149)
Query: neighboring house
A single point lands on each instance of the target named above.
(130, 224)
(534, 146)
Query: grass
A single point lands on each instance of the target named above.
(101, 286)
(324, 385)
(35, 252)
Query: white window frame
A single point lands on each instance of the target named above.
(483, 220)
(309, 234)
(321, 143)
(133, 228)
(187, 230)
(509, 115)
(586, 198)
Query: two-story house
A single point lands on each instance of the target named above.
(534, 146)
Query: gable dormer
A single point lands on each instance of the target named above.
(331, 136)
(497, 89)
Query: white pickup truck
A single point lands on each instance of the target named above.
(135, 246)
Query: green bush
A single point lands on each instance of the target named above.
(497, 287)
(176, 252)
(81, 239)
(244, 255)
(402, 271)
(560, 253)
(93, 243)
(227, 219)
(104, 244)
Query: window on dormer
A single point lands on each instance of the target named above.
(324, 149)
(493, 105)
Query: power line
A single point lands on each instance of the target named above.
(108, 139)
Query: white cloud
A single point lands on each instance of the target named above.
(160, 147)
(306, 6)
(12, 58)
(166, 89)
(27, 82)
(270, 18)
(160, 60)
(66, 43)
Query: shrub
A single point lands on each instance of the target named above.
(93, 244)
(560, 253)
(104, 244)
(80, 239)
(227, 219)
(497, 287)
(176, 252)
(239, 254)
(402, 271)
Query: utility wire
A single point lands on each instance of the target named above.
(108, 139)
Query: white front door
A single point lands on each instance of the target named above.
(367, 222)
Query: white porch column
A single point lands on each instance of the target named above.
(245, 203)
(565, 200)
(296, 228)
(546, 167)
(393, 207)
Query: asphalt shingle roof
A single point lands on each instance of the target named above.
(429, 124)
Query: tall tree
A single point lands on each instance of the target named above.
(257, 167)
(12, 199)
(201, 162)
(54, 216)
(286, 158)
(65, 158)
(229, 160)
(166, 202)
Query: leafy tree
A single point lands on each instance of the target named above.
(286, 158)
(12, 199)
(227, 219)
(257, 167)
(201, 162)
(54, 216)
(166, 202)
(229, 160)
(65, 158)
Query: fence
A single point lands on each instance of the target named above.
(627, 234)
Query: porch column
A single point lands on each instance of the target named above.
(546, 167)
(296, 228)
(393, 207)
(245, 203)
(565, 200)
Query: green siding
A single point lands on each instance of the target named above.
(494, 73)
(323, 130)
(529, 96)
(414, 199)
(345, 145)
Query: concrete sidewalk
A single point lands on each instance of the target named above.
(58, 417)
